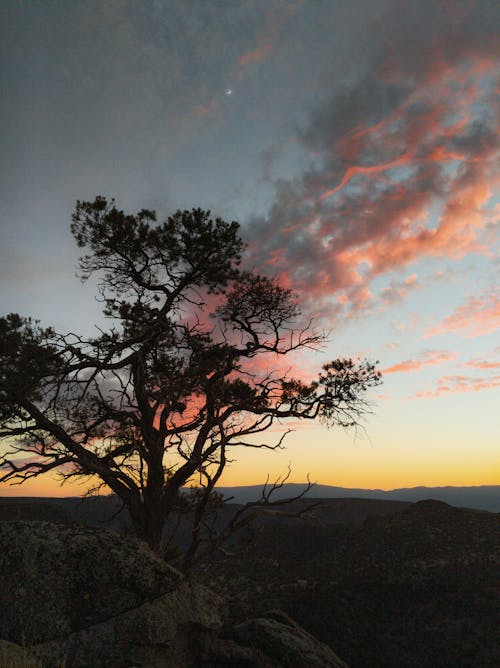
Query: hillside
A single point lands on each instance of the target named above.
(106, 512)
(418, 588)
(384, 583)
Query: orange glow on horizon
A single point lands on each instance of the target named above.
(420, 474)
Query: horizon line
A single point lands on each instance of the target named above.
(261, 485)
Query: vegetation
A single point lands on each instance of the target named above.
(417, 587)
(157, 401)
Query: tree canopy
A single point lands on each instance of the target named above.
(156, 401)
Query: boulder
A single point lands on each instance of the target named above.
(15, 656)
(95, 598)
(274, 640)
(167, 632)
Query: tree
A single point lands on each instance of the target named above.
(157, 401)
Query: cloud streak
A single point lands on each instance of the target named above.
(427, 358)
(458, 385)
(266, 39)
(482, 364)
(477, 317)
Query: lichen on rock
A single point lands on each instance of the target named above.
(76, 592)
(15, 656)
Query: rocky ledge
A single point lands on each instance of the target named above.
(84, 597)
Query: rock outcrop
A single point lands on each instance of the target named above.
(94, 598)
(272, 640)
(90, 598)
(14, 656)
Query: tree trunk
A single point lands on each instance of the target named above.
(148, 520)
(152, 529)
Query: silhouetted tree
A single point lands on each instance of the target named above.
(156, 402)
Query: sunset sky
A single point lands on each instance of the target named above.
(356, 141)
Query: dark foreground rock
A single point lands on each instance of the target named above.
(94, 598)
(89, 598)
(14, 656)
(271, 641)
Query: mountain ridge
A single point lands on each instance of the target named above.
(480, 497)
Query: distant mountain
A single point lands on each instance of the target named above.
(483, 497)
(344, 505)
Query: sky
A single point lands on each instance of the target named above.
(356, 142)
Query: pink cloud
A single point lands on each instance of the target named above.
(488, 360)
(261, 52)
(268, 36)
(398, 290)
(477, 317)
(459, 384)
(208, 109)
(356, 170)
(482, 364)
(406, 326)
(427, 358)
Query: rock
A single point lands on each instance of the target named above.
(15, 656)
(273, 640)
(95, 598)
(89, 598)
(165, 633)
